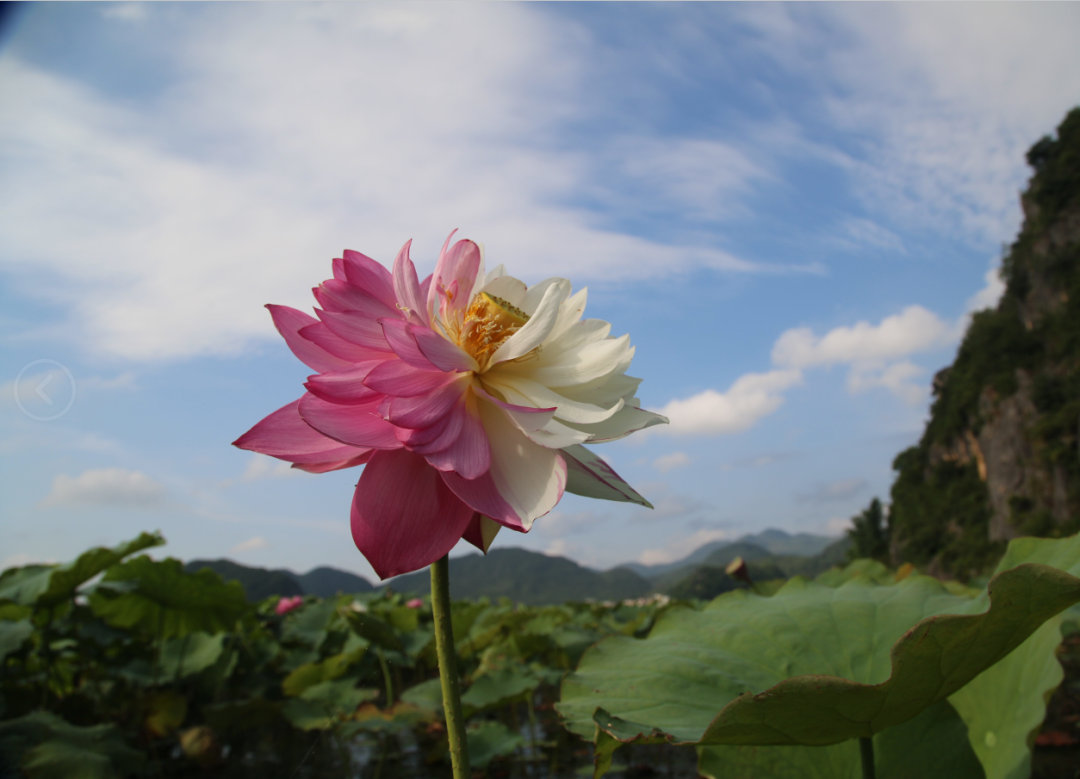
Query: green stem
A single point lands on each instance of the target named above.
(388, 680)
(866, 751)
(448, 674)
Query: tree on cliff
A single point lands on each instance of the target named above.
(1000, 455)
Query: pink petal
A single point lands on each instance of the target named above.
(403, 516)
(370, 276)
(335, 295)
(399, 335)
(285, 434)
(442, 353)
(481, 532)
(419, 411)
(400, 379)
(334, 465)
(345, 387)
(589, 475)
(289, 322)
(357, 425)
(455, 273)
(320, 335)
(407, 287)
(457, 442)
(482, 495)
(355, 328)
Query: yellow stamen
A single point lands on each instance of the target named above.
(489, 321)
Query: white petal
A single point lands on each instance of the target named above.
(536, 330)
(589, 363)
(524, 392)
(570, 313)
(508, 288)
(534, 296)
(589, 475)
(605, 391)
(530, 477)
(629, 419)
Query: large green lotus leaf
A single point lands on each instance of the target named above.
(195, 652)
(489, 740)
(928, 746)
(162, 599)
(1006, 704)
(499, 687)
(322, 706)
(56, 749)
(13, 635)
(45, 586)
(310, 624)
(810, 665)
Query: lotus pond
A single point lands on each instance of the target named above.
(117, 664)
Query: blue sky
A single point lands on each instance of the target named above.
(792, 209)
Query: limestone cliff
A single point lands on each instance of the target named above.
(1000, 455)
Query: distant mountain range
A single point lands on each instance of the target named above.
(535, 578)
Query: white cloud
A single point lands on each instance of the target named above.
(861, 233)
(263, 467)
(748, 400)
(903, 379)
(913, 330)
(253, 164)
(251, 544)
(703, 177)
(836, 490)
(105, 487)
(681, 547)
(836, 526)
(669, 462)
(990, 294)
(953, 95)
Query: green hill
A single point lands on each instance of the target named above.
(528, 577)
(327, 582)
(258, 583)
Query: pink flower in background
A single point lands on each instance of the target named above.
(285, 605)
(467, 397)
(414, 603)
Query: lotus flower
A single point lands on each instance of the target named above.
(466, 396)
(285, 605)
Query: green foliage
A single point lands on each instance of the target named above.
(869, 534)
(161, 599)
(941, 513)
(85, 692)
(1056, 184)
(817, 665)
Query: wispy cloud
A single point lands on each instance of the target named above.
(749, 399)
(682, 547)
(671, 461)
(115, 487)
(250, 545)
(833, 491)
(220, 200)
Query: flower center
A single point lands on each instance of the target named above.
(489, 321)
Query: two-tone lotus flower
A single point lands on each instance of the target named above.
(466, 396)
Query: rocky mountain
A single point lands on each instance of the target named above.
(999, 457)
